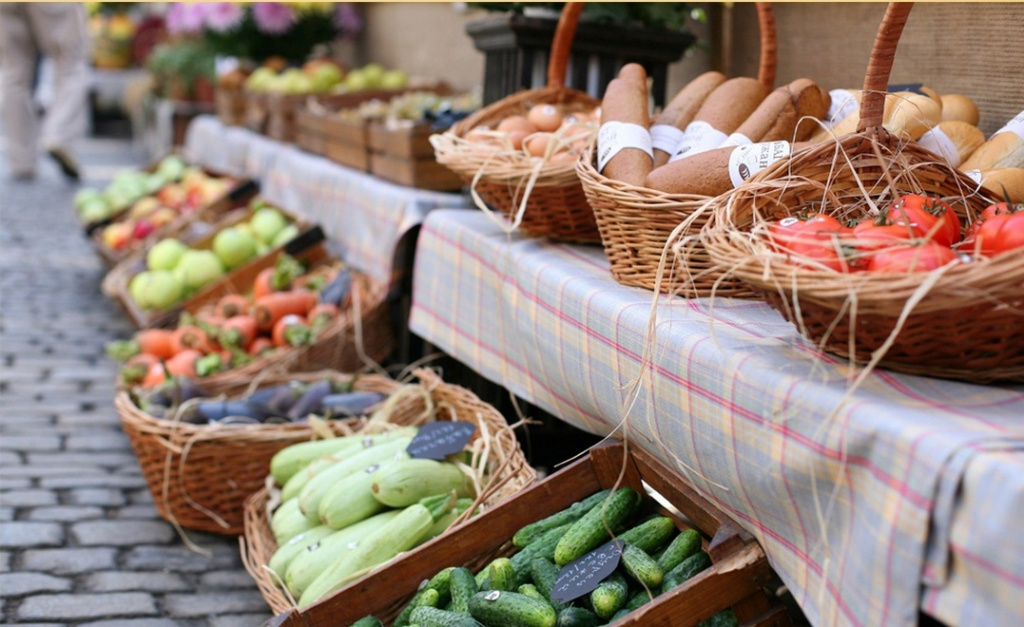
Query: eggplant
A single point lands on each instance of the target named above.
(262, 397)
(217, 411)
(283, 399)
(350, 403)
(311, 401)
(338, 289)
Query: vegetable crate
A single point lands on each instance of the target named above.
(404, 156)
(735, 579)
(510, 474)
(230, 105)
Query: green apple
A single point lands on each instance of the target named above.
(326, 76)
(260, 79)
(284, 236)
(161, 290)
(165, 254)
(137, 289)
(234, 247)
(267, 223)
(394, 79)
(295, 81)
(374, 73)
(84, 195)
(94, 210)
(356, 80)
(172, 167)
(197, 268)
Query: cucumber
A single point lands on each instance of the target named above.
(308, 565)
(293, 487)
(433, 617)
(511, 609)
(641, 566)
(441, 524)
(405, 483)
(462, 586)
(610, 596)
(686, 569)
(725, 618)
(544, 546)
(531, 532)
(442, 583)
(636, 601)
(368, 621)
(378, 546)
(531, 590)
(288, 551)
(591, 531)
(404, 618)
(577, 617)
(350, 499)
(289, 460)
(429, 598)
(545, 573)
(682, 546)
(500, 576)
(649, 536)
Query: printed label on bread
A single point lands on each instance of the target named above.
(746, 161)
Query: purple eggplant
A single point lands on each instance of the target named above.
(337, 290)
(350, 403)
(311, 400)
(216, 411)
(263, 396)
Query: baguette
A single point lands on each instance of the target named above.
(1005, 183)
(625, 100)
(1005, 149)
(959, 107)
(906, 113)
(681, 110)
(709, 173)
(728, 106)
(953, 140)
(812, 104)
(774, 119)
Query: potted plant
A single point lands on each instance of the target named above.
(183, 70)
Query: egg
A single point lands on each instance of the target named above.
(537, 144)
(563, 158)
(516, 123)
(545, 117)
(517, 136)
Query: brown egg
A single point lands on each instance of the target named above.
(545, 117)
(481, 136)
(517, 136)
(563, 158)
(516, 123)
(537, 144)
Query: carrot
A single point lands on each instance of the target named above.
(238, 331)
(260, 345)
(291, 330)
(231, 305)
(190, 336)
(135, 369)
(183, 364)
(156, 342)
(263, 284)
(272, 307)
(321, 313)
(208, 318)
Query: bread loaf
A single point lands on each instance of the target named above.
(959, 107)
(1005, 183)
(812, 104)
(681, 110)
(952, 140)
(774, 119)
(715, 172)
(906, 113)
(1005, 149)
(625, 102)
(722, 113)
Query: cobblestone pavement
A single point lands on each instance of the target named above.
(80, 540)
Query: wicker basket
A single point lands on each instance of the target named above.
(201, 475)
(230, 104)
(637, 223)
(510, 474)
(544, 199)
(962, 321)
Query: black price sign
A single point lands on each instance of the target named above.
(912, 87)
(583, 575)
(437, 440)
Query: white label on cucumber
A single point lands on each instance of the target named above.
(666, 138)
(746, 161)
(614, 137)
(736, 139)
(936, 141)
(313, 547)
(1015, 125)
(843, 104)
(373, 468)
(352, 545)
(367, 442)
(493, 595)
(700, 137)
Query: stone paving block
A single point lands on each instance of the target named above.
(122, 532)
(30, 470)
(139, 497)
(116, 581)
(9, 458)
(27, 498)
(65, 513)
(31, 534)
(18, 584)
(227, 579)
(96, 496)
(6, 513)
(14, 483)
(98, 442)
(134, 512)
(140, 622)
(66, 561)
(93, 481)
(240, 620)
(181, 559)
(211, 604)
(85, 420)
(30, 443)
(79, 606)
(5, 563)
(106, 460)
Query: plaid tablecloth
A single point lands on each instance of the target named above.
(905, 493)
(364, 215)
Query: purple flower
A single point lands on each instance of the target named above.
(185, 19)
(347, 20)
(223, 16)
(272, 17)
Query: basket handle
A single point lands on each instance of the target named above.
(876, 80)
(769, 45)
(562, 44)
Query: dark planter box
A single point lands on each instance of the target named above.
(517, 47)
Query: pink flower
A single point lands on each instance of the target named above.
(272, 17)
(223, 16)
(185, 19)
(347, 20)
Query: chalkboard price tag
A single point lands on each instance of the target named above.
(583, 575)
(911, 87)
(437, 440)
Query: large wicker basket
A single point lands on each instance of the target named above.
(962, 321)
(637, 223)
(201, 475)
(510, 473)
(544, 199)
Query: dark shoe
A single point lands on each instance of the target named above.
(28, 175)
(65, 162)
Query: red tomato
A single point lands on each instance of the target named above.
(911, 258)
(782, 233)
(922, 214)
(993, 210)
(869, 237)
(1000, 233)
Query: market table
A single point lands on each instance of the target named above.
(366, 216)
(903, 494)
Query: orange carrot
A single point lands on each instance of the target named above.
(191, 336)
(208, 318)
(182, 364)
(260, 345)
(291, 330)
(231, 305)
(156, 342)
(238, 331)
(272, 307)
(135, 369)
(263, 284)
(322, 313)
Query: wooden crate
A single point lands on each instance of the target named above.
(405, 156)
(735, 580)
(230, 105)
(309, 132)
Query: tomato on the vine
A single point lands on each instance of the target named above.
(993, 210)
(812, 242)
(1000, 233)
(928, 217)
(922, 257)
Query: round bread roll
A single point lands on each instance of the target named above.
(953, 140)
(1005, 182)
(1005, 149)
(959, 107)
(905, 113)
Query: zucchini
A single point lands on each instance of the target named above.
(610, 596)
(577, 617)
(649, 536)
(500, 576)
(526, 535)
(289, 460)
(350, 499)
(284, 511)
(545, 573)
(289, 524)
(544, 546)
(682, 546)
(591, 531)
(686, 569)
(405, 483)
(368, 621)
(441, 524)
(641, 567)
(378, 546)
(531, 590)
(293, 487)
(511, 609)
(462, 586)
(288, 551)
(433, 617)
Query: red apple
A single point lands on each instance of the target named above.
(163, 216)
(172, 195)
(116, 235)
(143, 228)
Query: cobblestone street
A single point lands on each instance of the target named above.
(80, 540)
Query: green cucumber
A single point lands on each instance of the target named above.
(641, 566)
(591, 531)
(682, 546)
(610, 596)
(544, 546)
(649, 536)
(511, 609)
(725, 618)
(531, 590)
(408, 481)
(368, 621)
(405, 616)
(441, 524)
(429, 598)
(500, 575)
(462, 586)
(526, 535)
(442, 583)
(577, 617)
(636, 601)
(433, 617)
(685, 570)
(291, 549)
(545, 573)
